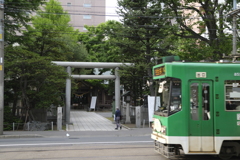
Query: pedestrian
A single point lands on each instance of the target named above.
(118, 118)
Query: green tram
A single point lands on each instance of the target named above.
(200, 109)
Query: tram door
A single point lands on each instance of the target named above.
(201, 116)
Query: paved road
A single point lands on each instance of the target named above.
(55, 141)
(81, 152)
(91, 151)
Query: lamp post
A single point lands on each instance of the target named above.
(1, 65)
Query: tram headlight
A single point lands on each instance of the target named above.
(159, 127)
(164, 129)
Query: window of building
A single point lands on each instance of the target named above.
(87, 5)
(87, 17)
(69, 4)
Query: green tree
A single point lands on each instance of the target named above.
(33, 79)
(144, 38)
(17, 15)
(98, 41)
(32, 76)
(51, 35)
(202, 21)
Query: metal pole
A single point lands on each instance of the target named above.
(68, 95)
(234, 29)
(1, 65)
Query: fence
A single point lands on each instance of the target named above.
(29, 126)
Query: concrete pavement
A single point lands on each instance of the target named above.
(84, 124)
(89, 121)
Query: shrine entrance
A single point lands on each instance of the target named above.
(70, 65)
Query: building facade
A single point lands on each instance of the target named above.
(85, 12)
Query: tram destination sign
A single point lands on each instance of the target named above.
(159, 71)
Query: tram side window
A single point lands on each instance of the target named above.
(232, 95)
(206, 101)
(194, 101)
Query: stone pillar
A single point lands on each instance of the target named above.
(138, 116)
(59, 118)
(128, 114)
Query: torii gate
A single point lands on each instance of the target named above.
(68, 65)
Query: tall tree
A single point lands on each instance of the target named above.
(51, 34)
(143, 38)
(98, 41)
(202, 21)
(32, 79)
(17, 15)
(49, 38)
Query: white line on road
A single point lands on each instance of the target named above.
(49, 144)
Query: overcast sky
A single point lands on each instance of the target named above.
(111, 10)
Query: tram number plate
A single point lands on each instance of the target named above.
(201, 75)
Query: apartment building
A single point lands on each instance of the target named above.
(85, 12)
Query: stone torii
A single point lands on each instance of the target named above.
(69, 65)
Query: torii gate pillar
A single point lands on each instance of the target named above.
(117, 89)
(68, 95)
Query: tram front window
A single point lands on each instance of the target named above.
(171, 97)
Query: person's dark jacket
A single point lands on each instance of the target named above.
(117, 113)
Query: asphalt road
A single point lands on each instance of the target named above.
(119, 150)
(137, 151)
(130, 145)
(71, 148)
(55, 141)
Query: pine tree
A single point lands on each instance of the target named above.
(144, 38)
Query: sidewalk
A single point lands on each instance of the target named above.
(85, 124)
(89, 121)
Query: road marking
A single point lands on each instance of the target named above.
(45, 144)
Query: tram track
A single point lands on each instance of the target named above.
(94, 152)
(200, 157)
(65, 149)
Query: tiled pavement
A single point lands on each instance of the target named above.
(89, 121)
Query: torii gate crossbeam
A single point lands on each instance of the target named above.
(90, 65)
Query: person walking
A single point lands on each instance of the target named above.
(118, 119)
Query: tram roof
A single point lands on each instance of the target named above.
(191, 69)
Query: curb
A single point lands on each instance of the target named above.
(20, 136)
(125, 127)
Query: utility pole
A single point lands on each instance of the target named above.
(234, 13)
(234, 51)
(1, 65)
